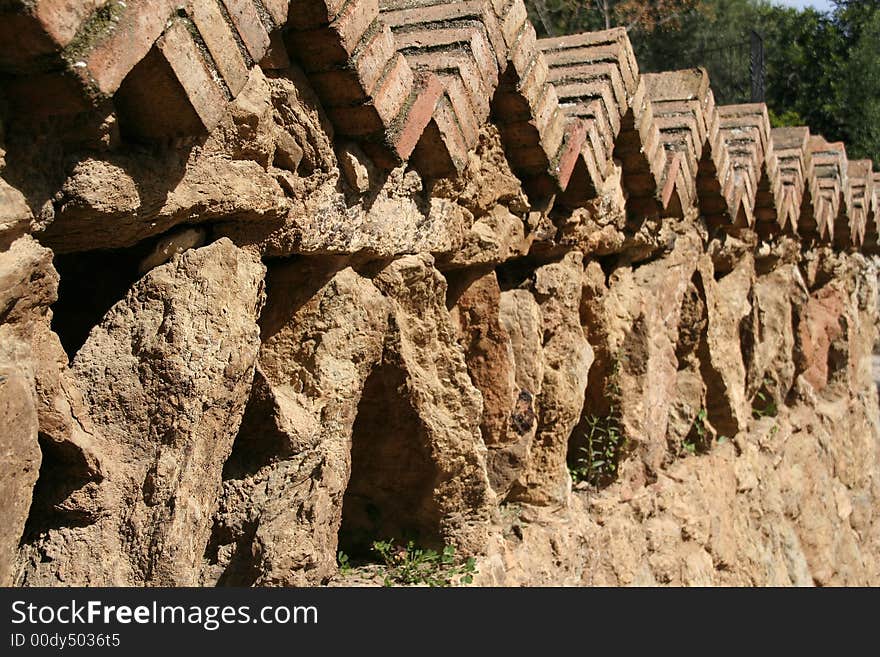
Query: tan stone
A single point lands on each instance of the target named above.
(165, 378)
(15, 215)
(440, 400)
(20, 455)
(319, 345)
(567, 359)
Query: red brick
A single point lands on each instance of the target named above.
(438, 12)
(670, 194)
(452, 14)
(355, 19)
(62, 18)
(338, 87)
(569, 151)
(393, 90)
(38, 29)
(554, 132)
(22, 41)
(610, 53)
(519, 135)
(312, 14)
(453, 138)
(464, 111)
(546, 108)
(579, 187)
(152, 104)
(510, 107)
(317, 50)
(186, 61)
(430, 157)
(111, 58)
(247, 21)
(595, 99)
(444, 61)
(532, 84)
(525, 50)
(597, 147)
(529, 160)
(372, 60)
(512, 21)
(221, 43)
(357, 121)
(323, 48)
(456, 40)
(600, 70)
(409, 129)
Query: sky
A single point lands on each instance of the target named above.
(821, 5)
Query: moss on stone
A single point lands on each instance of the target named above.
(95, 28)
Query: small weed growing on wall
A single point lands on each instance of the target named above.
(409, 565)
(597, 460)
(344, 563)
(603, 441)
(698, 438)
(763, 404)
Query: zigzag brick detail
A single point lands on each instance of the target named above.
(458, 42)
(368, 88)
(745, 135)
(543, 145)
(828, 187)
(683, 107)
(642, 155)
(787, 168)
(861, 196)
(416, 80)
(596, 76)
(871, 242)
(872, 230)
(173, 74)
(158, 58)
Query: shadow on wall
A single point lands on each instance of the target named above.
(390, 492)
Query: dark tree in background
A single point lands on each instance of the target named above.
(555, 17)
(822, 70)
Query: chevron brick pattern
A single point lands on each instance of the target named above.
(744, 133)
(415, 81)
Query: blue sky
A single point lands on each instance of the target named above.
(821, 5)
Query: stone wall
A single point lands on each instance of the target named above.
(283, 279)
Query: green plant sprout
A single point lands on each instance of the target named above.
(604, 442)
(344, 563)
(764, 405)
(408, 565)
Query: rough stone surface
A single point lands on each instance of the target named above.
(634, 323)
(777, 296)
(15, 215)
(441, 400)
(567, 358)
(508, 421)
(754, 518)
(281, 506)
(166, 377)
(18, 446)
(260, 308)
(728, 305)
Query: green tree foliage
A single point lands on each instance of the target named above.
(553, 17)
(822, 69)
(860, 22)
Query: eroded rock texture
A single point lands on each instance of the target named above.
(165, 377)
(580, 323)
